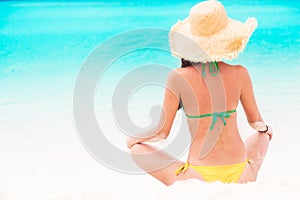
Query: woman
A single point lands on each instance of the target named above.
(209, 91)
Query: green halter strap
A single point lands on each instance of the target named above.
(214, 69)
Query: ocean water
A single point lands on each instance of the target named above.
(43, 46)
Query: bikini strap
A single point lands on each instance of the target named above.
(220, 115)
(213, 70)
(183, 168)
(216, 115)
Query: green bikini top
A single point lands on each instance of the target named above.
(215, 115)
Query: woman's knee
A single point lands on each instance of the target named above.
(141, 148)
(138, 154)
(257, 141)
(249, 174)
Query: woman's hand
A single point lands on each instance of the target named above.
(155, 138)
(261, 127)
(270, 132)
(130, 141)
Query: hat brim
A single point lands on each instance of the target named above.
(225, 44)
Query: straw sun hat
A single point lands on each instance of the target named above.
(208, 34)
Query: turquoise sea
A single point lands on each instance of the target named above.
(43, 45)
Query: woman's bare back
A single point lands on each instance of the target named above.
(208, 94)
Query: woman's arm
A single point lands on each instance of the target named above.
(249, 104)
(247, 98)
(170, 106)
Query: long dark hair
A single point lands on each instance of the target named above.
(187, 63)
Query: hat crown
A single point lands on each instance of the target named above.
(207, 18)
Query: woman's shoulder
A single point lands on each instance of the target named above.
(240, 69)
(174, 74)
(184, 70)
(177, 72)
(180, 75)
(237, 66)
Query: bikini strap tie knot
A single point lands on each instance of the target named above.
(214, 69)
(215, 116)
(183, 168)
(221, 115)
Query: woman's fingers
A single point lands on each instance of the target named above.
(131, 141)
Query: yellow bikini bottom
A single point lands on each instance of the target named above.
(230, 173)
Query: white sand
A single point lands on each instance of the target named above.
(42, 158)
